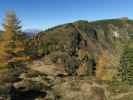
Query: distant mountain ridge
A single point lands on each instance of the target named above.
(31, 32)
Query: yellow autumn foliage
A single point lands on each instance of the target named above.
(102, 68)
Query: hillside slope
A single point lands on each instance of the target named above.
(98, 45)
(74, 61)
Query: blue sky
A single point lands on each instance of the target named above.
(42, 14)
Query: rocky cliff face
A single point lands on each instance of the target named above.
(74, 61)
(96, 45)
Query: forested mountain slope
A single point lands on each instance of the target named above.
(98, 45)
(74, 61)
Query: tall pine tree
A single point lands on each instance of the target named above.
(12, 46)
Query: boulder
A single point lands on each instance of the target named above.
(52, 69)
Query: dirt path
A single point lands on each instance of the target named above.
(122, 95)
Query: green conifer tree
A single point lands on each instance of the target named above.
(126, 70)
